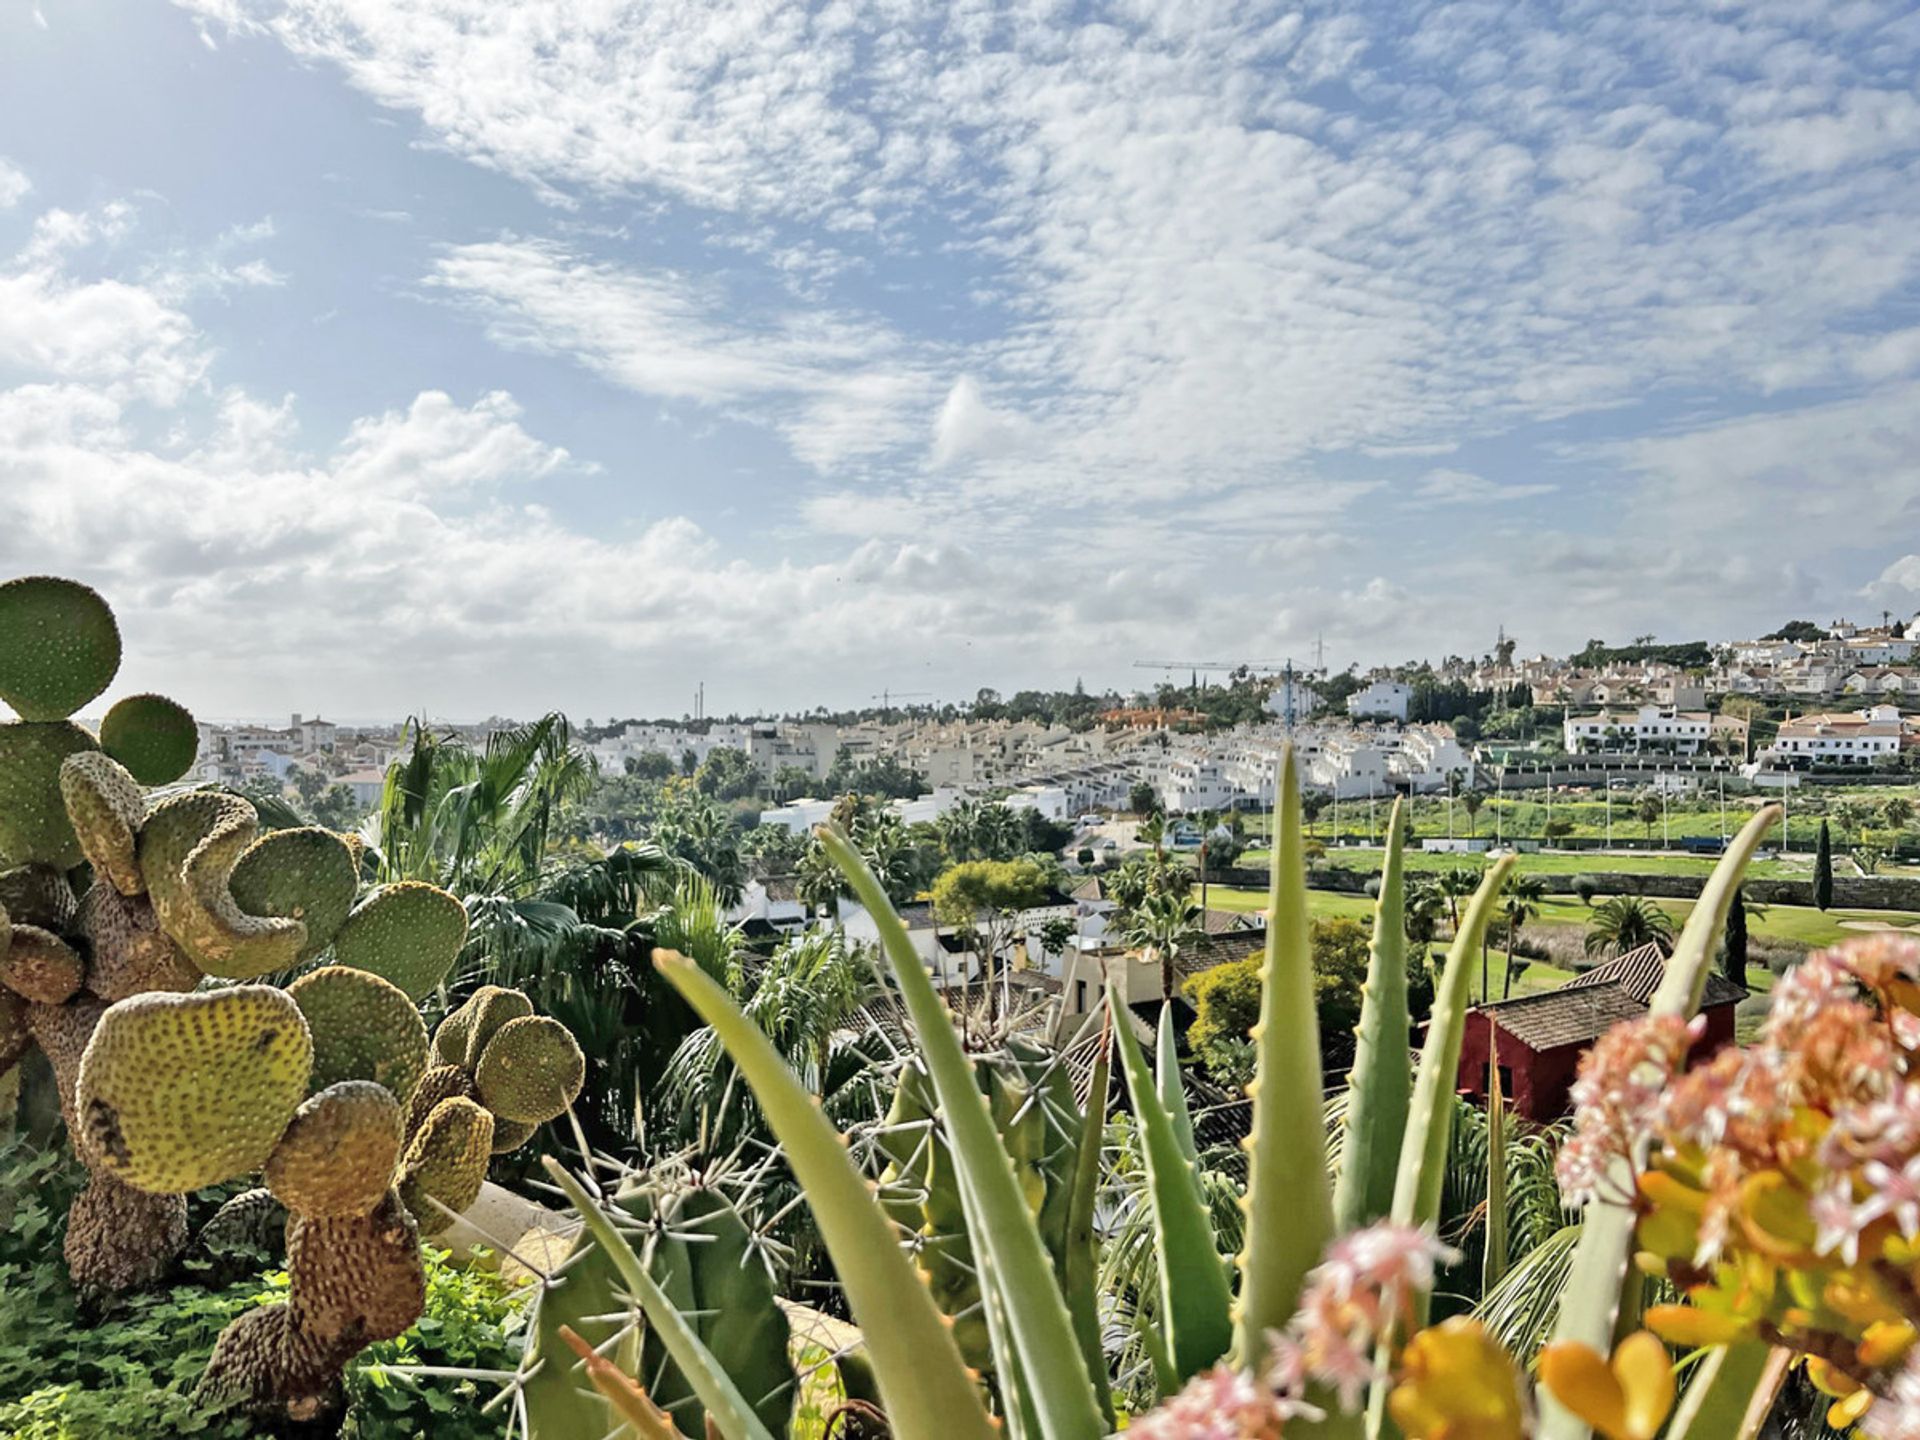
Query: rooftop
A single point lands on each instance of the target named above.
(1589, 1005)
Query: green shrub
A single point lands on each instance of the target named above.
(130, 1373)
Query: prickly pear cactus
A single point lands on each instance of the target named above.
(135, 932)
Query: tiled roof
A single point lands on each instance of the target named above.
(1212, 950)
(1589, 1005)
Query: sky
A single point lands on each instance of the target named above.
(468, 358)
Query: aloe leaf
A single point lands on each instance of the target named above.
(1196, 1305)
(1005, 1238)
(1731, 1393)
(1173, 1095)
(1380, 1085)
(1592, 1302)
(724, 1404)
(1081, 1281)
(1289, 1204)
(1423, 1151)
(925, 1387)
(1493, 1264)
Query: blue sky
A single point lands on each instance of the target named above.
(378, 355)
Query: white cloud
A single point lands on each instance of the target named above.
(14, 184)
(1462, 487)
(967, 428)
(835, 386)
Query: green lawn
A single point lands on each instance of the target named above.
(1562, 862)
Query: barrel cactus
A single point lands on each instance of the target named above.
(140, 935)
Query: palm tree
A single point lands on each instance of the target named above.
(1456, 884)
(1471, 803)
(702, 832)
(1423, 903)
(883, 843)
(1896, 812)
(1646, 810)
(959, 830)
(1626, 922)
(817, 881)
(1524, 895)
(1162, 926)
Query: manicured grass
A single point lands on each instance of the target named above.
(1320, 903)
(1589, 862)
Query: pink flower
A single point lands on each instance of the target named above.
(1895, 1193)
(1352, 1298)
(1837, 1223)
(1897, 1415)
(1617, 1097)
(1219, 1404)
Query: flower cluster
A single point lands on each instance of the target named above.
(1452, 1380)
(1780, 1184)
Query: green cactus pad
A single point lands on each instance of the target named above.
(152, 736)
(188, 848)
(37, 895)
(177, 1092)
(105, 806)
(363, 1029)
(15, 1038)
(409, 933)
(531, 1070)
(465, 1033)
(442, 1082)
(510, 1135)
(447, 1159)
(338, 1153)
(131, 953)
(305, 874)
(39, 966)
(59, 646)
(33, 818)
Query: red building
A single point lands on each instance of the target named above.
(1542, 1037)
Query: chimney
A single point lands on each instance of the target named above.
(296, 721)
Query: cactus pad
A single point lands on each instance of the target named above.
(357, 1280)
(188, 847)
(363, 1029)
(306, 874)
(531, 1070)
(33, 818)
(442, 1082)
(131, 953)
(15, 1038)
(409, 933)
(338, 1153)
(510, 1135)
(152, 736)
(464, 1034)
(40, 966)
(446, 1159)
(177, 1092)
(59, 646)
(37, 895)
(105, 806)
(119, 1238)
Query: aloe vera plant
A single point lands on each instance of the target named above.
(1599, 1279)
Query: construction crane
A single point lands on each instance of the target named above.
(887, 697)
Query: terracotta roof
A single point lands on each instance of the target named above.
(1212, 950)
(1589, 1005)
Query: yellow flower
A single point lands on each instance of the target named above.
(1625, 1400)
(1456, 1383)
(1691, 1326)
(1885, 1342)
(1851, 1397)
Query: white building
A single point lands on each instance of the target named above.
(1650, 728)
(1382, 699)
(1859, 738)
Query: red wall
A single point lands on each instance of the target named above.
(1541, 1081)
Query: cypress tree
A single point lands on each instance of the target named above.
(1734, 959)
(1823, 870)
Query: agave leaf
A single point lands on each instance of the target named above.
(1731, 1393)
(926, 1389)
(1196, 1305)
(1380, 1085)
(1289, 1204)
(724, 1404)
(1423, 1151)
(1592, 1302)
(1173, 1095)
(1005, 1238)
(1083, 1255)
(1494, 1263)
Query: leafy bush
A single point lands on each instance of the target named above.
(130, 1373)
